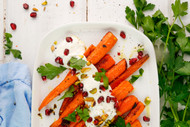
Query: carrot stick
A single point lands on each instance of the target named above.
(89, 50)
(129, 71)
(66, 101)
(102, 48)
(134, 113)
(78, 100)
(136, 123)
(127, 104)
(121, 91)
(73, 124)
(66, 83)
(81, 124)
(116, 70)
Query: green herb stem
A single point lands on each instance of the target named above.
(174, 114)
(184, 114)
(165, 101)
(181, 22)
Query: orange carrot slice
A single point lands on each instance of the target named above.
(81, 124)
(116, 70)
(66, 83)
(127, 104)
(136, 123)
(134, 113)
(78, 100)
(129, 71)
(121, 91)
(106, 63)
(105, 45)
(89, 50)
(66, 102)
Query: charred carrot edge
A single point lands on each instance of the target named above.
(127, 104)
(73, 124)
(136, 123)
(106, 63)
(66, 102)
(134, 113)
(121, 91)
(81, 124)
(129, 71)
(66, 83)
(105, 45)
(78, 100)
(116, 70)
(89, 50)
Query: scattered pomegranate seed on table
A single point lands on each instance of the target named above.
(139, 57)
(108, 99)
(96, 122)
(122, 34)
(69, 39)
(132, 61)
(89, 119)
(33, 14)
(66, 52)
(57, 59)
(13, 26)
(25, 6)
(118, 53)
(61, 61)
(100, 99)
(81, 85)
(85, 94)
(73, 71)
(114, 99)
(44, 78)
(47, 112)
(140, 53)
(146, 119)
(116, 105)
(72, 3)
(102, 88)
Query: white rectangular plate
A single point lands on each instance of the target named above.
(92, 33)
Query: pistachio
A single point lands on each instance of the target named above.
(52, 48)
(88, 63)
(85, 69)
(44, 9)
(84, 76)
(55, 42)
(34, 9)
(101, 122)
(93, 91)
(44, 3)
(104, 117)
(89, 99)
(81, 56)
(147, 100)
(99, 118)
(77, 82)
(93, 103)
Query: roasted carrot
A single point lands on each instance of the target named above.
(89, 50)
(121, 91)
(116, 70)
(105, 45)
(73, 124)
(134, 113)
(78, 100)
(66, 83)
(136, 123)
(127, 104)
(129, 71)
(81, 124)
(66, 102)
(106, 63)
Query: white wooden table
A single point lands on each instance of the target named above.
(30, 31)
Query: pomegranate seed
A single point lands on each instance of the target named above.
(110, 91)
(140, 53)
(80, 89)
(89, 119)
(85, 94)
(94, 103)
(100, 99)
(81, 85)
(13, 26)
(69, 39)
(96, 122)
(116, 105)
(33, 14)
(132, 61)
(118, 53)
(72, 3)
(146, 119)
(47, 112)
(122, 34)
(61, 61)
(25, 6)
(114, 99)
(66, 52)
(139, 57)
(57, 59)
(108, 99)
(102, 88)
(44, 78)
(73, 71)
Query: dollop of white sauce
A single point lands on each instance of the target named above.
(76, 49)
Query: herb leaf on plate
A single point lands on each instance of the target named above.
(135, 77)
(71, 117)
(100, 75)
(83, 114)
(69, 93)
(77, 63)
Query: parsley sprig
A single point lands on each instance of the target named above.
(171, 44)
(77, 63)
(135, 77)
(120, 122)
(69, 93)
(100, 75)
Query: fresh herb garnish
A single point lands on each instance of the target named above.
(69, 93)
(100, 75)
(173, 70)
(135, 77)
(50, 71)
(8, 47)
(71, 117)
(120, 122)
(77, 63)
(83, 114)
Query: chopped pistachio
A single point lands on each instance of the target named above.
(89, 99)
(101, 122)
(81, 56)
(104, 117)
(88, 63)
(44, 3)
(93, 91)
(55, 43)
(52, 48)
(34, 9)
(77, 82)
(84, 76)
(147, 100)
(85, 69)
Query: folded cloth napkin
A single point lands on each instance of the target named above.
(15, 95)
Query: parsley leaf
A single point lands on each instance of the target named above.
(50, 71)
(179, 8)
(84, 114)
(148, 24)
(71, 117)
(77, 63)
(188, 28)
(130, 16)
(120, 122)
(100, 75)
(128, 125)
(16, 53)
(69, 93)
(135, 77)
(185, 70)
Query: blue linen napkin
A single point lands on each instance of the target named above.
(15, 95)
